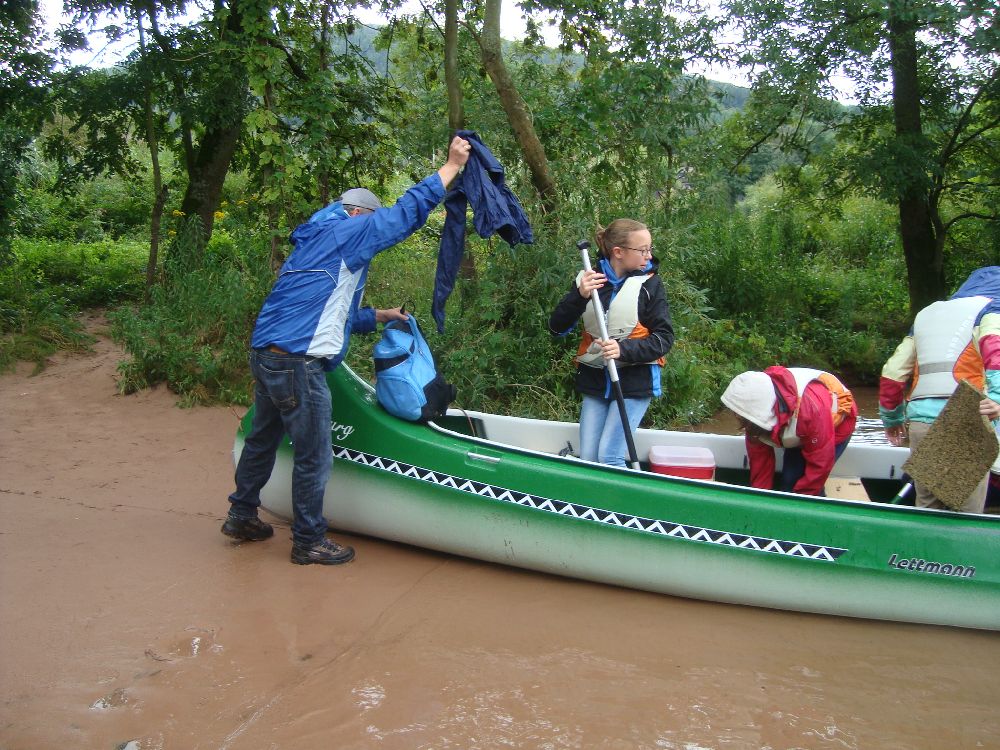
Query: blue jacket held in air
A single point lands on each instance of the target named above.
(495, 209)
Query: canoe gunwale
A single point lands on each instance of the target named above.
(672, 479)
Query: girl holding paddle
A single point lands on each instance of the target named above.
(640, 334)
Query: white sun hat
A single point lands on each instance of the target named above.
(751, 395)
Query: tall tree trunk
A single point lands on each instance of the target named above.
(924, 259)
(516, 109)
(456, 114)
(452, 79)
(209, 165)
(208, 174)
(159, 189)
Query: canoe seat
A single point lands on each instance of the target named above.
(846, 488)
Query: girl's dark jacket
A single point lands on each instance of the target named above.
(638, 378)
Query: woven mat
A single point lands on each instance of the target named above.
(958, 451)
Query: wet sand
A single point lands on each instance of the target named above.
(128, 621)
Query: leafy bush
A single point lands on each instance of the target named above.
(194, 333)
(35, 321)
(92, 274)
(49, 282)
(794, 293)
(98, 209)
(862, 232)
(497, 347)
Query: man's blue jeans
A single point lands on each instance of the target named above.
(291, 396)
(601, 435)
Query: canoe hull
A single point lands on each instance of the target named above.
(704, 540)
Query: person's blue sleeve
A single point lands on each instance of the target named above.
(364, 320)
(365, 236)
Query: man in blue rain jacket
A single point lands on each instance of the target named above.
(495, 210)
(302, 332)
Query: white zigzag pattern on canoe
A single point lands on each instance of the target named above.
(587, 513)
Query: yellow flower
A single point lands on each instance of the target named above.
(220, 215)
(171, 232)
(178, 213)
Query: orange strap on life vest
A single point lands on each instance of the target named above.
(845, 399)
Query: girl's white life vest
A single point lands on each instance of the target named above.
(942, 334)
(803, 377)
(621, 319)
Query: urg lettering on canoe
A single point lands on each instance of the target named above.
(919, 565)
(341, 431)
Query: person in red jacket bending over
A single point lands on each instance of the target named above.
(808, 413)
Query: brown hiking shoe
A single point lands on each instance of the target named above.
(323, 552)
(247, 529)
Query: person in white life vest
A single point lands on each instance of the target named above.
(808, 413)
(951, 340)
(640, 334)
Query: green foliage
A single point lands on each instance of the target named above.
(497, 347)
(24, 70)
(924, 132)
(193, 335)
(96, 209)
(42, 291)
(35, 321)
(799, 271)
(95, 274)
(749, 288)
(186, 251)
(101, 110)
(321, 119)
(765, 284)
(820, 293)
(46, 285)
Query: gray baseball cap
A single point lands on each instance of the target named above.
(362, 198)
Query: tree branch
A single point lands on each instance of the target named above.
(297, 70)
(752, 148)
(970, 215)
(955, 142)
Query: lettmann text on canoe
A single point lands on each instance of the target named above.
(920, 565)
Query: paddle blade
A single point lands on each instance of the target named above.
(958, 451)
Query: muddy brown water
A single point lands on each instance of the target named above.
(127, 621)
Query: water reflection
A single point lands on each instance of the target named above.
(869, 431)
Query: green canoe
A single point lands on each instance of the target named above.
(495, 488)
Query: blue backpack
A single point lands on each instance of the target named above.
(407, 383)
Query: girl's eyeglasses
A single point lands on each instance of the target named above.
(641, 250)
